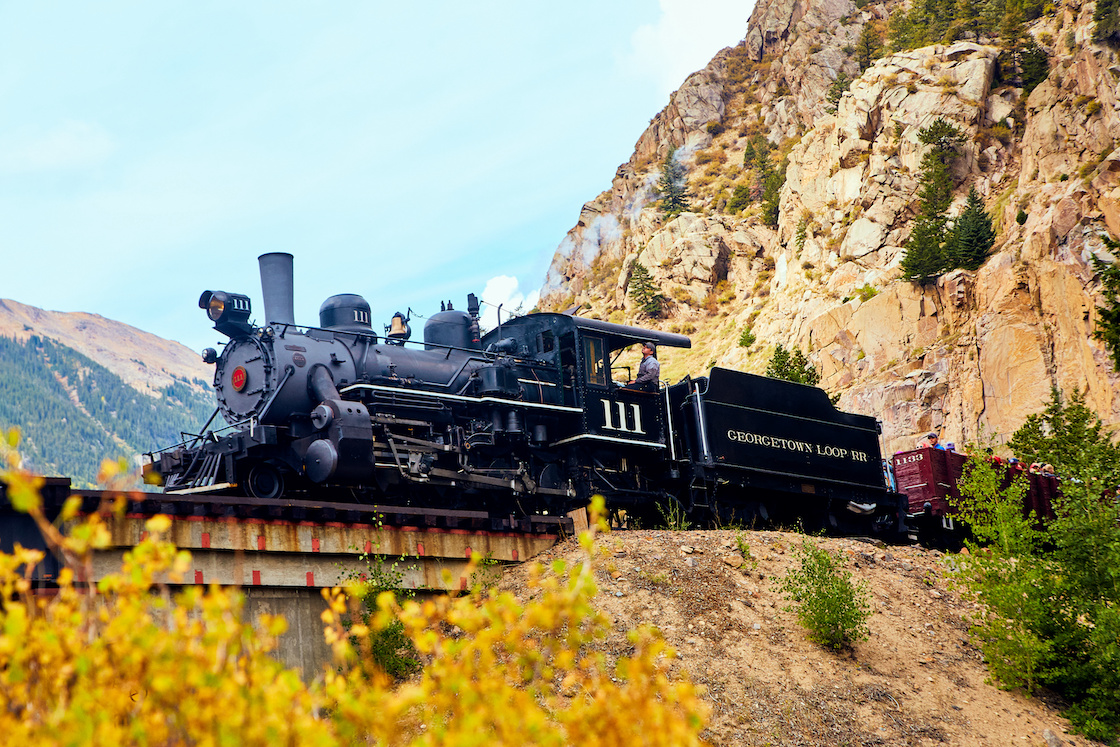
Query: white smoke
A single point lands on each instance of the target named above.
(642, 196)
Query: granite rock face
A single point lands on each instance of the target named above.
(971, 354)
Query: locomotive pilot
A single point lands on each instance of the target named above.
(649, 370)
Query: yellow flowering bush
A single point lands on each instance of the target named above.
(129, 662)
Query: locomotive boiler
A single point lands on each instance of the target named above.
(527, 418)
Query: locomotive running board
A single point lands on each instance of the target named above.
(461, 398)
(611, 439)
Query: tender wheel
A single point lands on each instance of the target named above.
(265, 481)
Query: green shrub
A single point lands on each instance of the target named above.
(802, 231)
(747, 338)
(1049, 590)
(744, 549)
(1000, 132)
(673, 515)
(866, 292)
(388, 647)
(828, 604)
(1021, 217)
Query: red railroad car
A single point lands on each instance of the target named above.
(928, 478)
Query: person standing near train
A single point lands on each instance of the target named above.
(930, 441)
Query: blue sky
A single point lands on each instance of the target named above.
(407, 152)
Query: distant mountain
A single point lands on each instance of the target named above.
(82, 388)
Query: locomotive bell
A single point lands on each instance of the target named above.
(398, 330)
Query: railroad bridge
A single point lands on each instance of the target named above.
(283, 553)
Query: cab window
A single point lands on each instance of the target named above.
(594, 361)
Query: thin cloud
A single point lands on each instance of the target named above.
(67, 146)
(504, 291)
(684, 39)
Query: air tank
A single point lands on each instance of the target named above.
(448, 329)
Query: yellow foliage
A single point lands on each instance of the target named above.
(128, 662)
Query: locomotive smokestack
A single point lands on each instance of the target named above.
(277, 284)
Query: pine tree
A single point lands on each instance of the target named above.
(926, 255)
(936, 191)
(939, 16)
(924, 259)
(644, 292)
(792, 365)
(740, 199)
(836, 92)
(1034, 63)
(968, 17)
(870, 46)
(772, 192)
(1012, 31)
(943, 135)
(973, 237)
(1070, 436)
(672, 188)
(1106, 21)
(900, 30)
(1108, 316)
(758, 150)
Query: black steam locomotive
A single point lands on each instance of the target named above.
(527, 418)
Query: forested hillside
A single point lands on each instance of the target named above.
(73, 412)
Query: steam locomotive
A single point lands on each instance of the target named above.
(526, 418)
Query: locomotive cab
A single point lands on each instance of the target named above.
(583, 353)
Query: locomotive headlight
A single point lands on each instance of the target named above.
(229, 311)
(216, 308)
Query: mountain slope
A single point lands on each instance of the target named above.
(141, 359)
(73, 411)
(972, 353)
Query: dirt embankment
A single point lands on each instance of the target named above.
(916, 681)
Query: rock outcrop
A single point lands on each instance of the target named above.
(972, 353)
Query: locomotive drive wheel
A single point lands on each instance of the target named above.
(265, 481)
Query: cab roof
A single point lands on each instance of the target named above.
(616, 335)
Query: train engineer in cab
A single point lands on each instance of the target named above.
(649, 370)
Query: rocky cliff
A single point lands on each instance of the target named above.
(973, 353)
